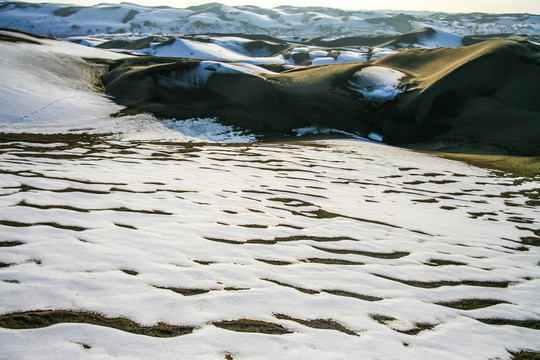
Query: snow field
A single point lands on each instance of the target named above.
(342, 231)
(209, 51)
(67, 20)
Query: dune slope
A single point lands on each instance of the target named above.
(480, 98)
(265, 101)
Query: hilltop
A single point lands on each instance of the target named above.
(67, 20)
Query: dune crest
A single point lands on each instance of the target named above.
(481, 98)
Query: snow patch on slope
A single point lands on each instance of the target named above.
(377, 84)
(440, 39)
(198, 75)
(209, 51)
(209, 130)
(50, 85)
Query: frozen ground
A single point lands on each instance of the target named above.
(328, 249)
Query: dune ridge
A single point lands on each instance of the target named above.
(68, 20)
(483, 97)
(483, 93)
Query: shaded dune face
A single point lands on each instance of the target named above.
(182, 88)
(486, 93)
(395, 40)
(483, 97)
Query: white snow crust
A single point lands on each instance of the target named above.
(377, 84)
(208, 130)
(240, 223)
(375, 137)
(208, 51)
(441, 39)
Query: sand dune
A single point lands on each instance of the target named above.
(267, 102)
(412, 38)
(484, 94)
(68, 20)
(480, 98)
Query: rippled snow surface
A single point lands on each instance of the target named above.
(329, 250)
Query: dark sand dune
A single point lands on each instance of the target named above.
(485, 95)
(483, 98)
(131, 44)
(475, 39)
(266, 102)
(394, 40)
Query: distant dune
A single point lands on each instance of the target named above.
(67, 20)
(484, 97)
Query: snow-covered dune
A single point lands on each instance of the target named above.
(45, 82)
(51, 86)
(67, 20)
(187, 48)
(116, 249)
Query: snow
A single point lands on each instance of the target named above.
(49, 88)
(306, 230)
(376, 84)
(381, 52)
(153, 210)
(289, 21)
(316, 130)
(85, 40)
(209, 51)
(345, 56)
(262, 21)
(47, 84)
(198, 75)
(209, 130)
(323, 61)
(318, 54)
(441, 39)
(375, 137)
(232, 43)
(350, 56)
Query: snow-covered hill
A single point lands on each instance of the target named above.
(67, 20)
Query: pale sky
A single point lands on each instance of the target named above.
(489, 6)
